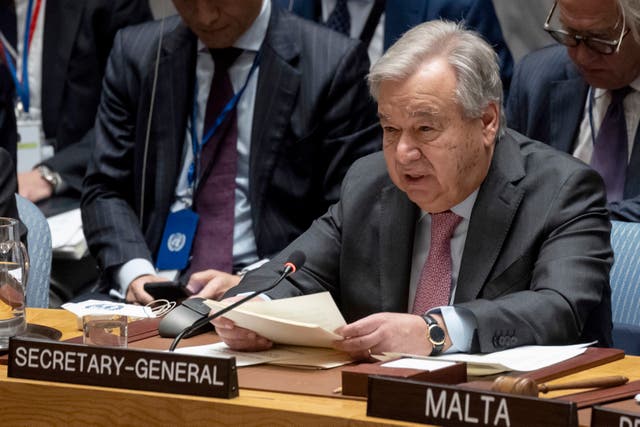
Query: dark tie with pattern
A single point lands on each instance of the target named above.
(8, 24)
(434, 286)
(610, 152)
(340, 20)
(215, 196)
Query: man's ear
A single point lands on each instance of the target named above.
(490, 122)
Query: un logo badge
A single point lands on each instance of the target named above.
(176, 242)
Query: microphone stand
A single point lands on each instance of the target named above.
(287, 270)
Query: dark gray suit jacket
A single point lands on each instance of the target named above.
(313, 117)
(77, 40)
(8, 131)
(535, 266)
(8, 185)
(547, 102)
(401, 16)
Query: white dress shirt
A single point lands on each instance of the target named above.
(601, 101)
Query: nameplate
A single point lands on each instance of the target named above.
(123, 368)
(421, 402)
(618, 417)
(355, 378)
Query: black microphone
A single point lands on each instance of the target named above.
(295, 262)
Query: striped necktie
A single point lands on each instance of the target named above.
(610, 152)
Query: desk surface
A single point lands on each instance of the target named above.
(48, 403)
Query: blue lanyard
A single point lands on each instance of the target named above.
(22, 88)
(197, 146)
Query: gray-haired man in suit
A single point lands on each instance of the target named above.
(472, 238)
(303, 118)
(561, 94)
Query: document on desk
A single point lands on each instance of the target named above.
(307, 320)
(67, 237)
(523, 359)
(282, 355)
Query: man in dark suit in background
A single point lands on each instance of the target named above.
(74, 39)
(564, 95)
(304, 117)
(8, 185)
(8, 134)
(378, 24)
(515, 235)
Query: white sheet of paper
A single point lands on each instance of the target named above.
(422, 364)
(318, 309)
(66, 228)
(307, 320)
(524, 359)
(91, 306)
(307, 357)
(107, 307)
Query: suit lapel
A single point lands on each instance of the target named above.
(497, 202)
(566, 108)
(632, 181)
(396, 248)
(173, 104)
(278, 85)
(62, 20)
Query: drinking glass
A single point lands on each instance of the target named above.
(108, 330)
(14, 272)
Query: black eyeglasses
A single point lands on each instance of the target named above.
(602, 46)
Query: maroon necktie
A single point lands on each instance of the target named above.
(214, 199)
(434, 286)
(610, 152)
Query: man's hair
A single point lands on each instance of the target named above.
(473, 60)
(631, 11)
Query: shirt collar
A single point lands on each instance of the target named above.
(635, 84)
(254, 36)
(599, 92)
(462, 209)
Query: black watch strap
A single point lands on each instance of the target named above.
(435, 335)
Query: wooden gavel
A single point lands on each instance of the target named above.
(528, 387)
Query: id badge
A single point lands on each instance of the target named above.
(30, 142)
(177, 239)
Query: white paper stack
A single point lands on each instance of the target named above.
(67, 238)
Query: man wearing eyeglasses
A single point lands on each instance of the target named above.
(582, 98)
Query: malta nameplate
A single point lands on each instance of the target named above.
(438, 404)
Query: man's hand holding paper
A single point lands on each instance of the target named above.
(238, 338)
(384, 332)
(308, 320)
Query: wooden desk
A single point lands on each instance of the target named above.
(26, 402)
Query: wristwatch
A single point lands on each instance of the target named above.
(435, 335)
(51, 177)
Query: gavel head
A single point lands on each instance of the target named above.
(515, 385)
